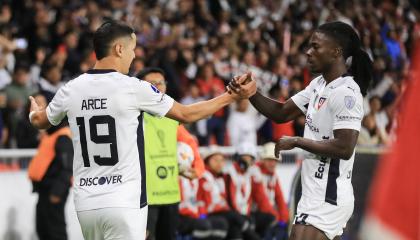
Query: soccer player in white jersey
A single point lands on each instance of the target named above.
(105, 110)
(333, 105)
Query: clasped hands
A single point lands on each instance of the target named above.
(243, 86)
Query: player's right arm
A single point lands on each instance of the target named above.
(200, 110)
(156, 103)
(204, 109)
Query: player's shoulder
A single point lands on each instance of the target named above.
(347, 87)
(142, 85)
(317, 81)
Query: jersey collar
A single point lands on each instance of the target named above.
(100, 71)
(336, 82)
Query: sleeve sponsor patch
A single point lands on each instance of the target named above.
(347, 118)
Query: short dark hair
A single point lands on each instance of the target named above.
(106, 34)
(46, 67)
(21, 66)
(143, 73)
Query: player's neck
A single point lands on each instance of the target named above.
(334, 72)
(107, 63)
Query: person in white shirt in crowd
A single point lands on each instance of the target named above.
(381, 115)
(50, 80)
(371, 133)
(243, 123)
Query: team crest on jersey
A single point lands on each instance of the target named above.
(321, 102)
(349, 101)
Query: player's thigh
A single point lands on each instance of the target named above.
(125, 224)
(90, 224)
(306, 232)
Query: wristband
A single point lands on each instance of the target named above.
(30, 116)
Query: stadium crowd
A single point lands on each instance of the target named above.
(200, 45)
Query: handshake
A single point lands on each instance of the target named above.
(243, 86)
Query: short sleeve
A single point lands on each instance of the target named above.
(57, 108)
(346, 106)
(151, 100)
(302, 98)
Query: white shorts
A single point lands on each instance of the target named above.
(113, 223)
(330, 219)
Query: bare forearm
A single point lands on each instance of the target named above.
(267, 107)
(275, 110)
(205, 109)
(200, 110)
(332, 148)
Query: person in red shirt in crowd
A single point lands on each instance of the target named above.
(213, 200)
(211, 86)
(246, 190)
(191, 167)
(264, 173)
(283, 129)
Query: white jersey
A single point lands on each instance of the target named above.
(104, 110)
(337, 105)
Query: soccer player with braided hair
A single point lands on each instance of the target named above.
(333, 105)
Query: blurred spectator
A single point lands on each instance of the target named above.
(211, 86)
(213, 199)
(370, 133)
(244, 191)
(281, 94)
(50, 80)
(26, 135)
(204, 227)
(17, 94)
(381, 116)
(198, 128)
(5, 77)
(264, 171)
(243, 123)
(35, 71)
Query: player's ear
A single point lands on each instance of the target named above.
(338, 52)
(118, 48)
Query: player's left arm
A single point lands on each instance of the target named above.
(346, 107)
(341, 147)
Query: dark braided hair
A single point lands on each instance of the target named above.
(345, 36)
